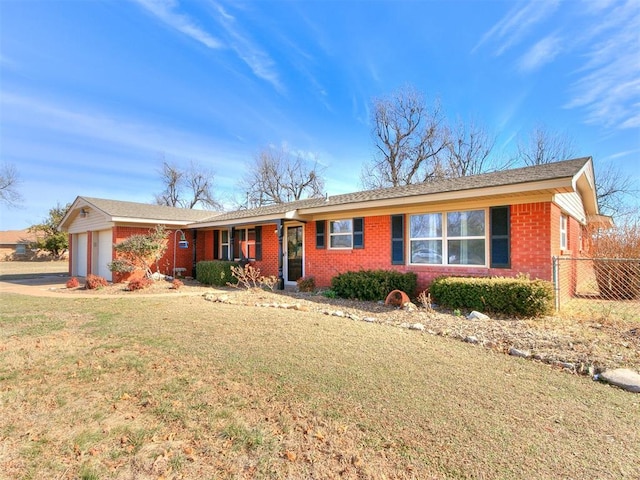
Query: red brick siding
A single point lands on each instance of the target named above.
(531, 237)
(269, 263)
(205, 240)
(184, 257)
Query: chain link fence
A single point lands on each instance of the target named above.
(597, 288)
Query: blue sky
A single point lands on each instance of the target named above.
(94, 94)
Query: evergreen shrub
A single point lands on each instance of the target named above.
(372, 285)
(215, 272)
(518, 297)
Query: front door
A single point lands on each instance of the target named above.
(294, 254)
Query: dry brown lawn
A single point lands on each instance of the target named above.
(132, 387)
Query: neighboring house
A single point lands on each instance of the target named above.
(16, 245)
(496, 224)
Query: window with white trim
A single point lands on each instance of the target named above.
(563, 232)
(452, 238)
(341, 234)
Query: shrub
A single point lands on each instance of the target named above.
(139, 284)
(73, 282)
(176, 284)
(250, 277)
(373, 284)
(306, 284)
(216, 272)
(509, 296)
(93, 282)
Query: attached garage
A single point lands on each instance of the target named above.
(94, 225)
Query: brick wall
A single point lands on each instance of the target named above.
(269, 263)
(184, 257)
(533, 229)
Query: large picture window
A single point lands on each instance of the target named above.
(453, 238)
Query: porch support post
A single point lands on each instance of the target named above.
(280, 234)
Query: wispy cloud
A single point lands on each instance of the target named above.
(165, 10)
(609, 85)
(258, 60)
(513, 27)
(543, 52)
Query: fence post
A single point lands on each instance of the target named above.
(556, 281)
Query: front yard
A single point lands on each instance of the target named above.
(175, 386)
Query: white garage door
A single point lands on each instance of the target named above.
(104, 253)
(80, 255)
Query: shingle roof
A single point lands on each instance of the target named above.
(549, 171)
(117, 208)
(276, 209)
(565, 169)
(13, 237)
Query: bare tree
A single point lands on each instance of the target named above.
(278, 176)
(9, 181)
(186, 188)
(544, 146)
(468, 149)
(615, 190)
(408, 138)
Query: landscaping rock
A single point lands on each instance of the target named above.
(471, 339)
(478, 316)
(416, 326)
(409, 307)
(622, 377)
(519, 353)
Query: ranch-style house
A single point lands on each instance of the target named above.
(502, 223)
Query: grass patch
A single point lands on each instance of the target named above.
(140, 388)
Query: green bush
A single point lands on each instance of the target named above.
(216, 272)
(373, 285)
(509, 296)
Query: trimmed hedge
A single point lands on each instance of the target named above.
(373, 285)
(216, 272)
(508, 296)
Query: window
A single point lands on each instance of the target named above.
(21, 249)
(563, 232)
(344, 234)
(453, 238)
(341, 234)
